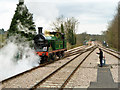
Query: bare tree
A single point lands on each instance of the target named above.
(112, 33)
(58, 25)
(67, 26)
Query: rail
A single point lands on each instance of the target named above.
(42, 65)
(54, 72)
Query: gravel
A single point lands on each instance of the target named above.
(81, 79)
(85, 74)
(34, 76)
(56, 80)
(112, 62)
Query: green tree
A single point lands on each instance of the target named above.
(22, 23)
(71, 25)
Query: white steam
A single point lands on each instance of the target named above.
(16, 58)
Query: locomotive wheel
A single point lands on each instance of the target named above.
(48, 59)
(54, 56)
(43, 60)
(62, 54)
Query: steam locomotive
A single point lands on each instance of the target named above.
(49, 45)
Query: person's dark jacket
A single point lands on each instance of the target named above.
(100, 54)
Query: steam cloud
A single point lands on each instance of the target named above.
(15, 57)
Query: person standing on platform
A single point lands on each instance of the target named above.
(100, 56)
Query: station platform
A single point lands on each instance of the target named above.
(104, 80)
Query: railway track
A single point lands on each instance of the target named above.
(56, 79)
(28, 71)
(110, 51)
(67, 54)
(74, 51)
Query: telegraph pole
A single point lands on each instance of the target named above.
(118, 26)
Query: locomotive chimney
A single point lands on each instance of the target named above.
(40, 30)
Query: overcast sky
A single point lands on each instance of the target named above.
(93, 15)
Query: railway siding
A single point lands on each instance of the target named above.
(112, 52)
(30, 78)
(60, 77)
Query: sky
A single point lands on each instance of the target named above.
(93, 15)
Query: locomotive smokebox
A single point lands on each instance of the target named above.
(40, 30)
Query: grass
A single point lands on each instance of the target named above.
(72, 46)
